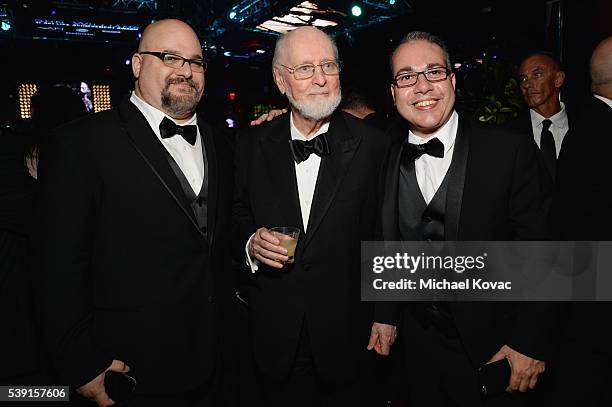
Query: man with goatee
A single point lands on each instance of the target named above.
(133, 243)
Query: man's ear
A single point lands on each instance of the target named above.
(136, 65)
(393, 94)
(559, 79)
(280, 81)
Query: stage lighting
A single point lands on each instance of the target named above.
(356, 11)
(101, 97)
(232, 15)
(25, 92)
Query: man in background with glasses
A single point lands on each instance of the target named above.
(315, 169)
(134, 218)
(448, 179)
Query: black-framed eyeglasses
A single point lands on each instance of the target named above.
(176, 61)
(306, 71)
(406, 79)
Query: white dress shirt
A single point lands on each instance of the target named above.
(306, 174)
(604, 99)
(558, 128)
(430, 171)
(189, 158)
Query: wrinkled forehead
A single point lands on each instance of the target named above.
(538, 62)
(308, 48)
(417, 55)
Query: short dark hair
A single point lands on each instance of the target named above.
(355, 99)
(423, 36)
(544, 53)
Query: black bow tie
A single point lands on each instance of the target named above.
(167, 128)
(301, 150)
(433, 147)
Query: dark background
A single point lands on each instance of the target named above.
(498, 32)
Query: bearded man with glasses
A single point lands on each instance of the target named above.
(133, 251)
(315, 169)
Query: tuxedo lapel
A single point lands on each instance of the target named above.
(343, 145)
(456, 181)
(212, 177)
(281, 170)
(143, 138)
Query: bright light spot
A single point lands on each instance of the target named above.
(457, 65)
(227, 54)
(260, 51)
(5, 26)
(232, 15)
(230, 122)
(356, 11)
(392, 2)
(127, 61)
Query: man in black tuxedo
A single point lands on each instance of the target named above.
(448, 179)
(315, 169)
(133, 245)
(582, 211)
(541, 79)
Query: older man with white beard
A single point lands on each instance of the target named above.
(315, 169)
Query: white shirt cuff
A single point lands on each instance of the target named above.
(252, 263)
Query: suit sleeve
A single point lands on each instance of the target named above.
(66, 228)
(536, 327)
(243, 224)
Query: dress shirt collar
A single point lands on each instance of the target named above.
(297, 135)
(604, 99)
(446, 134)
(559, 119)
(155, 116)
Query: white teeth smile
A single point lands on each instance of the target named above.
(424, 103)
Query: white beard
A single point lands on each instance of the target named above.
(316, 111)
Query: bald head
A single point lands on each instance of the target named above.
(157, 31)
(601, 69)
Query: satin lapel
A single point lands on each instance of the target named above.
(143, 137)
(456, 181)
(281, 170)
(343, 145)
(212, 176)
(390, 210)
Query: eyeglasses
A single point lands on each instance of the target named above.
(306, 71)
(177, 61)
(406, 79)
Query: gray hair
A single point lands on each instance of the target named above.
(279, 49)
(423, 36)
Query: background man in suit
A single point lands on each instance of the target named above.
(133, 240)
(449, 180)
(582, 211)
(541, 78)
(315, 169)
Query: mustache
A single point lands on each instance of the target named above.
(174, 81)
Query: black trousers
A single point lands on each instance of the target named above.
(440, 373)
(304, 387)
(583, 375)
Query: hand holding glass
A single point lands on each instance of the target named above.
(288, 237)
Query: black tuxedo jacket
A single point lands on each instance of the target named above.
(494, 194)
(124, 271)
(323, 285)
(582, 207)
